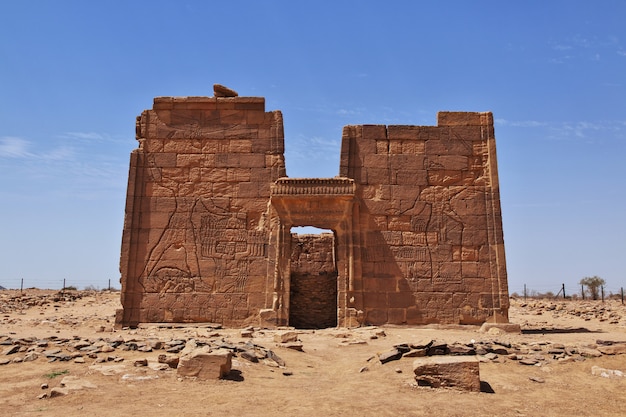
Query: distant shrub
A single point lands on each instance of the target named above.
(56, 373)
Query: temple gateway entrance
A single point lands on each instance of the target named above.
(414, 213)
(313, 281)
(314, 273)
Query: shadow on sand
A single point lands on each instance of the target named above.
(544, 330)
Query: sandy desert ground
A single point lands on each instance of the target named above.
(68, 345)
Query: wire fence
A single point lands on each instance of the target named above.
(60, 284)
(574, 292)
(567, 292)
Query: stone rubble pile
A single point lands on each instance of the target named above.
(11, 301)
(111, 349)
(611, 311)
(525, 353)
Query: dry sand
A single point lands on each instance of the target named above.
(329, 378)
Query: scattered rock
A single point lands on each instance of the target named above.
(285, 337)
(416, 353)
(456, 372)
(71, 382)
(108, 370)
(294, 346)
(133, 377)
(158, 366)
(589, 353)
(249, 356)
(58, 392)
(422, 344)
(503, 327)
(107, 348)
(390, 355)
(205, 365)
(613, 349)
(274, 357)
(141, 362)
(438, 348)
(11, 350)
(169, 360)
(460, 349)
(606, 373)
(403, 347)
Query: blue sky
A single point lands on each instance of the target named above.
(75, 74)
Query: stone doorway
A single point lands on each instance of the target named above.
(313, 281)
(325, 203)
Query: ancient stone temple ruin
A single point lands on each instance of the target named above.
(414, 213)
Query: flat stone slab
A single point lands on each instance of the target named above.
(286, 337)
(505, 327)
(458, 372)
(616, 349)
(390, 355)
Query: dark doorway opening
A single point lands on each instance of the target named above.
(313, 280)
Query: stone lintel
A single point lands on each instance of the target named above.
(302, 187)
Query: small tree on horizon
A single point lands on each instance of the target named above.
(593, 285)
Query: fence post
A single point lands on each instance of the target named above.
(582, 290)
(563, 288)
(524, 292)
(109, 284)
(602, 290)
(622, 295)
(22, 287)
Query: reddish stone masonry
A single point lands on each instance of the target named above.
(415, 215)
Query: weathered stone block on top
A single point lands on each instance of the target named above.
(415, 220)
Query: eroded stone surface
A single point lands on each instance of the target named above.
(456, 372)
(205, 365)
(415, 216)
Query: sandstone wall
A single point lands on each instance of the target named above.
(195, 242)
(431, 245)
